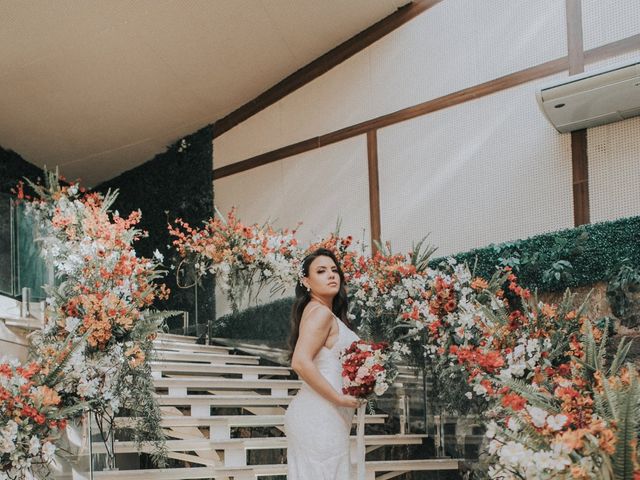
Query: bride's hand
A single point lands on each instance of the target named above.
(349, 401)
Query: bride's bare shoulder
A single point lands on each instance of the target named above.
(317, 314)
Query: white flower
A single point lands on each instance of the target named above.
(380, 388)
(34, 446)
(71, 323)
(538, 416)
(513, 425)
(556, 422)
(469, 395)
(158, 256)
(491, 429)
(48, 451)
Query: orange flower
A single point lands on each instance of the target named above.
(47, 396)
(136, 356)
(513, 401)
(479, 283)
(607, 441)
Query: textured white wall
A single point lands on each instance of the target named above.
(486, 171)
(614, 170)
(606, 21)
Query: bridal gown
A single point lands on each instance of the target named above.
(317, 430)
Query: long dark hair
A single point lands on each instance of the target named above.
(303, 297)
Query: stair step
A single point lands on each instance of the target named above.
(160, 474)
(203, 368)
(220, 383)
(172, 337)
(413, 465)
(252, 471)
(190, 347)
(232, 420)
(223, 400)
(252, 443)
(211, 358)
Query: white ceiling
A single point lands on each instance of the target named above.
(100, 86)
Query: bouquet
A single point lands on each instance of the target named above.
(367, 368)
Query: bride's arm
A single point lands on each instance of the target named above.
(314, 330)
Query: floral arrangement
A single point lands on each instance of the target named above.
(238, 255)
(33, 416)
(532, 367)
(577, 422)
(367, 368)
(102, 301)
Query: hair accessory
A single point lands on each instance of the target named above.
(300, 272)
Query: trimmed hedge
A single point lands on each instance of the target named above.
(597, 256)
(592, 256)
(262, 322)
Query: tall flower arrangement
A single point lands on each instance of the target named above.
(103, 296)
(238, 255)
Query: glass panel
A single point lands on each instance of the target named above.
(6, 245)
(32, 269)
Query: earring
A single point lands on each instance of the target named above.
(308, 289)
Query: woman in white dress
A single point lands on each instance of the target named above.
(318, 420)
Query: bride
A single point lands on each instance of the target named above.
(318, 420)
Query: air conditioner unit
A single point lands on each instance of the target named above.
(592, 98)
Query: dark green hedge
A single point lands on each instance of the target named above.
(592, 250)
(263, 322)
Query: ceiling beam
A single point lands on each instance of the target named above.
(322, 64)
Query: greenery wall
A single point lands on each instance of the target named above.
(548, 262)
(564, 259)
(176, 183)
(14, 168)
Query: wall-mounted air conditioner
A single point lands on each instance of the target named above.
(592, 98)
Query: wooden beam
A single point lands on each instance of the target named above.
(374, 189)
(263, 159)
(456, 98)
(579, 146)
(580, 172)
(323, 64)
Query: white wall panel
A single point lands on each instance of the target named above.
(457, 44)
(614, 170)
(606, 21)
(486, 171)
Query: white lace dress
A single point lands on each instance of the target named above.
(317, 430)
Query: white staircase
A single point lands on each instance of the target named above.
(211, 398)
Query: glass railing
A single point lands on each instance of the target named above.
(7, 246)
(21, 264)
